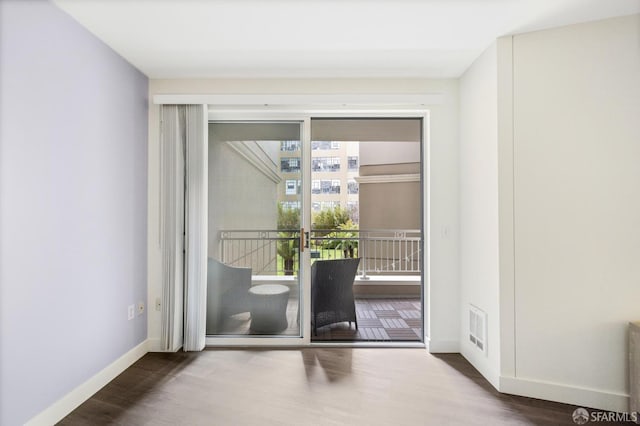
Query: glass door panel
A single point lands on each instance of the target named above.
(255, 201)
(366, 237)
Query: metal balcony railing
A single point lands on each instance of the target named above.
(275, 252)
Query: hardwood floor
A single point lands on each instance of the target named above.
(311, 386)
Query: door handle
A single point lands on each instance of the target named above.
(304, 240)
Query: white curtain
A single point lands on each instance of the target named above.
(183, 223)
(196, 209)
(171, 224)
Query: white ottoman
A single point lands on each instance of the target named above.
(269, 307)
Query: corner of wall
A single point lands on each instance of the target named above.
(479, 212)
(506, 205)
(480, 362)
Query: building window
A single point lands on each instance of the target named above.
(291, 187)
(290, 164)
(335, 186)
(290, 146)
(354, 211)
(325, 186)
(290, 205)
(352, 162)
(318, 145)
(352, 186)
(325, 164)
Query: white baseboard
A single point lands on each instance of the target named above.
(481, 363)
(442, 346)
(155, 346)
(65, 405)
(583, 397)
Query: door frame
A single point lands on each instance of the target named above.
(303, 114)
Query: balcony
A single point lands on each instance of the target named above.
(387, 254)
(387, 287)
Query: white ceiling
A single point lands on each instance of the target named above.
(320, 38)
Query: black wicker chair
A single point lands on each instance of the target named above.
(332, 292)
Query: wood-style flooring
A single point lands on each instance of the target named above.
(311, 386)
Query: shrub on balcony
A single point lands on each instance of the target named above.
(288, 225)
(345, 239)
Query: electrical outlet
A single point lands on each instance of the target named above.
(131, 312)
(140, 308)
(158, 304)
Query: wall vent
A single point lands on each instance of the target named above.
(478, 328)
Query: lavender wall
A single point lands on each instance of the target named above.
(73, 167)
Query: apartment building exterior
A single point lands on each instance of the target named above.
(334, 169)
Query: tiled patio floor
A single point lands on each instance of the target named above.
(379, 320)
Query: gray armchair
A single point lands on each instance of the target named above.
(332, 292)
(227, 293)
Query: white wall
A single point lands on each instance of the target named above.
(576, 103)
(272, 150)
(240, 195)
(73, 179)
(479, 278)
(442, 170)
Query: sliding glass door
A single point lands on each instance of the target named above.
(254, 242)
(366, 238)
(315, 231)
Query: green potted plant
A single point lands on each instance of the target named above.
(287, 248)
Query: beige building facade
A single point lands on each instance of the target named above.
(334, 168)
